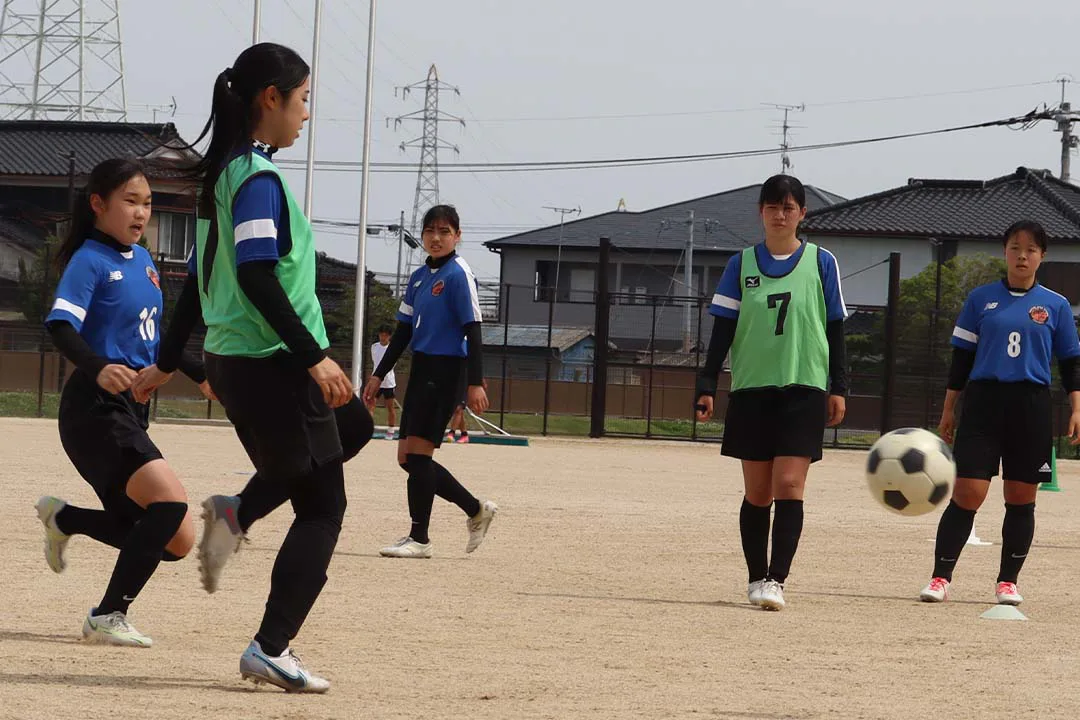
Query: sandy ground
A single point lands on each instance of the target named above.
(611, 586)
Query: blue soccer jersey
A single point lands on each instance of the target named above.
(728, 297)
(1015, 333)
(113, 299)
(440, 302)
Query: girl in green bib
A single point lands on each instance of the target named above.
(779, 309)
(252, 277)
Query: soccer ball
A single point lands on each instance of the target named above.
(910, 471)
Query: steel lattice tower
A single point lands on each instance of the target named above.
(427, 178)
(61, 60)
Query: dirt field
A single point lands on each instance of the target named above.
(611, 586)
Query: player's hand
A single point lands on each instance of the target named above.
(1074, 428)
(704, 408)
(332, 380)
(371, 389)
(116, 378)
(837, 410)
(947, 427)
(148, 380)
(478, 399)
(207, 391)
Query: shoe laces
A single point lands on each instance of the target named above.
(940, 584)
(117, 621)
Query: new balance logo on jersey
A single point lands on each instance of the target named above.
(990, 306)
(753, 281)
(116, 276)
(1045, 468)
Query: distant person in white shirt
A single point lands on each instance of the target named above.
(389, 383)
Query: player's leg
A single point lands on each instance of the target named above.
(297, 579)
(391, 411)
(415, 457)
(754, 517)
(748, 437)
(801, 413)
(977, 452)
(165, 525)
(229, 517)
(788, 486)
(1025, 464)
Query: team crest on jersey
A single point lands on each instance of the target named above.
(150, 273)
(753, 281)
(437, 288)
(1039, 314)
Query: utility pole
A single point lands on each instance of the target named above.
(400, 245)
(785, 143)
(563, 212)
(255, 22)
(689, 284)
(1065, 117)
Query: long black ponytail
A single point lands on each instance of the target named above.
(105, 178)
(233, 114)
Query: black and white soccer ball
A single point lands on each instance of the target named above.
(910, 471)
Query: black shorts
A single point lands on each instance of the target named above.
(385, 394)
(1006, 423)
(278, 411)
(431, 396)
(765, 423)
(105, 437)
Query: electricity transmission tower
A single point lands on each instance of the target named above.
(61, 60)
(427, 177)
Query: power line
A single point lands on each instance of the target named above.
(725, 111)
(556, 165)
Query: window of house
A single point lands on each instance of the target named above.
(176, 234)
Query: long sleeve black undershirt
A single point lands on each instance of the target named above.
(724, 334)
(399, 341)
(73, 347)
(171, 353)
(963, 361)
(260, 284)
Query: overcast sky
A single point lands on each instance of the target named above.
(578, 79)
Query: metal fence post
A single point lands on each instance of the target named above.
(600, 349)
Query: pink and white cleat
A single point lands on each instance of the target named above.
(937, 591)
(1007, 594)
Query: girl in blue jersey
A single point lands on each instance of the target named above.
(252, 279)
(440, 317)
(1002, 345)
(105, 320)
(779, 309)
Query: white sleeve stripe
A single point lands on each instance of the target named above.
(839, 285)
(474, 297)
(959, 332)
(405, 309)
(255, 229)
(725, 302)
(69, 307)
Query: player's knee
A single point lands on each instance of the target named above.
(788, 486)
(969, 493)
(182, 542)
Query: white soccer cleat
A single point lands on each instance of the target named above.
(406, 547)
(772, 595)
(1007, 594)
(55, 541)
(937, 591)
(753, 592)
(285, 671)
(113, 629)
(478, 526)
(221, 538)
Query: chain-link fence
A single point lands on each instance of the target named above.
(545, 349)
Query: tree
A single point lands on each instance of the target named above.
(37, 283)
(918, 331)
(381, 311)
